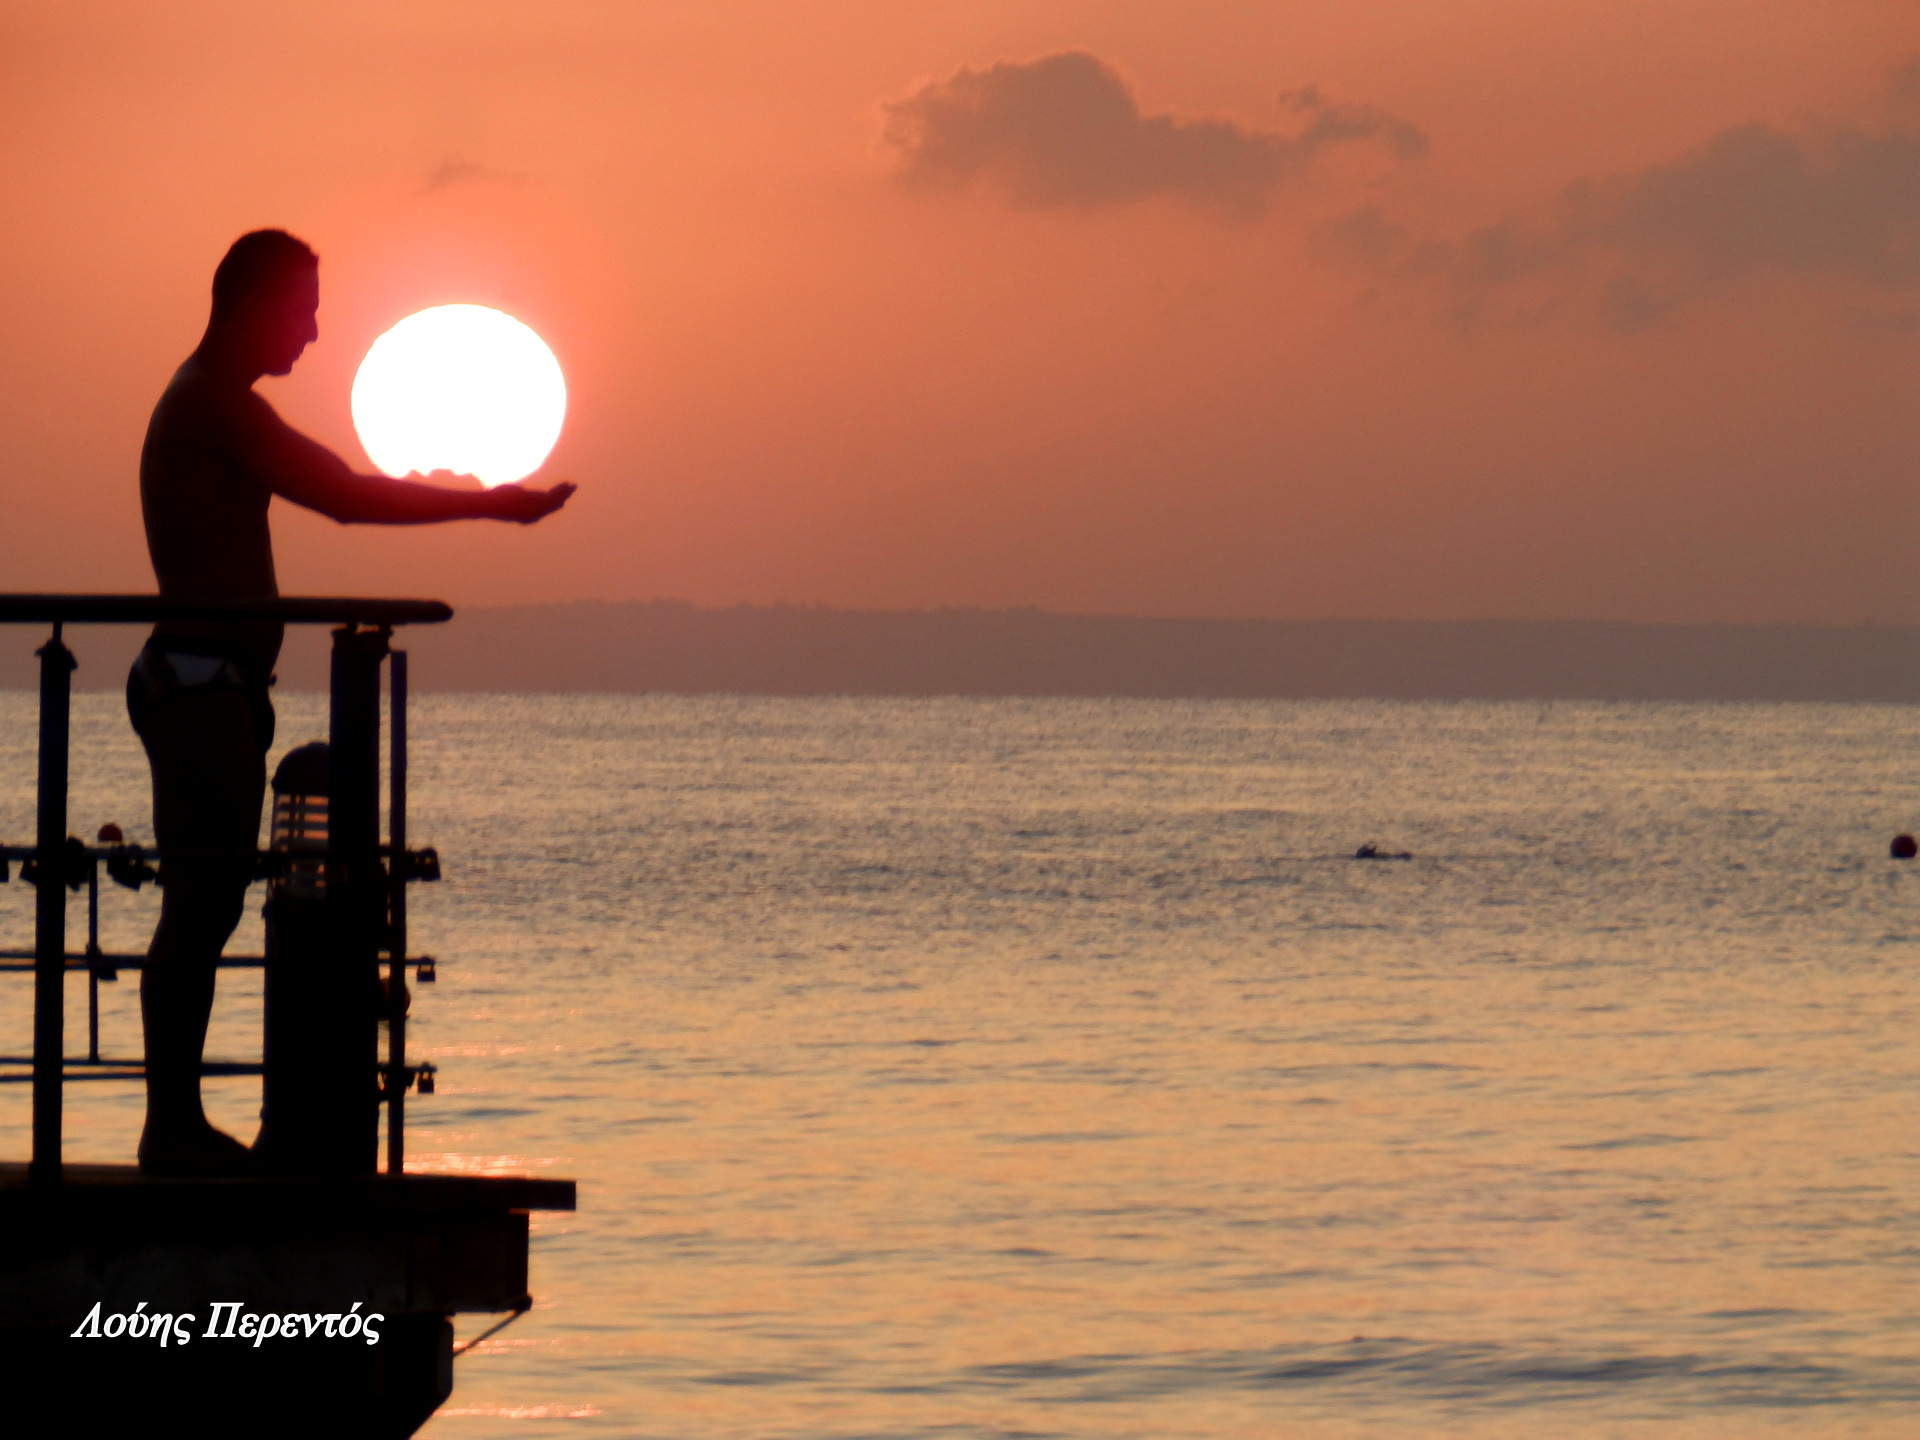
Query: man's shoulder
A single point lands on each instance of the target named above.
(196, 400)
(205, 429)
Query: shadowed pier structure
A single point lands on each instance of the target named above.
(327, 1235)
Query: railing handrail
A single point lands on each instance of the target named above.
(289, 609)
(352, 843)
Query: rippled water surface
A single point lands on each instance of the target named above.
(1035, 1068)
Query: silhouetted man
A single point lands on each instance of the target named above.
(215, 455)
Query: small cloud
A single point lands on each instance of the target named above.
(450, 173)
(1330, 124)
(1367, 237)
(1066, 131)
(1631, 303)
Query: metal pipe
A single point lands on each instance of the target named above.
(397, 915)
(288, 609)
(50, 911)
(93, 960)
(11, 960)
(356, 904)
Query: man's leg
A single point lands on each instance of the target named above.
(208, 782)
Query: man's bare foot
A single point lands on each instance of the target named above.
(193, 1151)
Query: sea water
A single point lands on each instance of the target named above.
(972, 1068)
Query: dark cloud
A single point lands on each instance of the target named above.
(1843, 204)
(1067, 131)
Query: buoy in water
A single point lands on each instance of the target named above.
(1904, 847)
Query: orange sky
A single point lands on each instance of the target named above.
(1637, 336)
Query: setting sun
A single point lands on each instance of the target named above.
(462, 388)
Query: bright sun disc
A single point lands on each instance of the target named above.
(461, 388)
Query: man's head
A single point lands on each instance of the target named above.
(266, 293)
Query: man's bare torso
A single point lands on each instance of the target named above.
(206, 511)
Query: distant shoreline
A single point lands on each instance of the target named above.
(671, 646)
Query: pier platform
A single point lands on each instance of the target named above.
(414, 1250)
(316, 1300)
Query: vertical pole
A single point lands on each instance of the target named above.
(397, 916)
(354, 899)
(50, 911)
(93, 961)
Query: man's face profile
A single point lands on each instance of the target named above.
(288, 319)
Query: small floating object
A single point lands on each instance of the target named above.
(1904, 847)
(1371, 851)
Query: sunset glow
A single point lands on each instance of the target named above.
(461, 388)
(1605, 309)
(1152, 719)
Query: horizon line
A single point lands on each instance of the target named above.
(826, 607)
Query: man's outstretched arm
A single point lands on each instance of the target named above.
(306, 472)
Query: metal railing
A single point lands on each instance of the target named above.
(371, 897)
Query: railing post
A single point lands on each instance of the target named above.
(93, 962)
(397, 915)
(355, 903)
(50, 911)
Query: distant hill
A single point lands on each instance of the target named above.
(667, 645)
